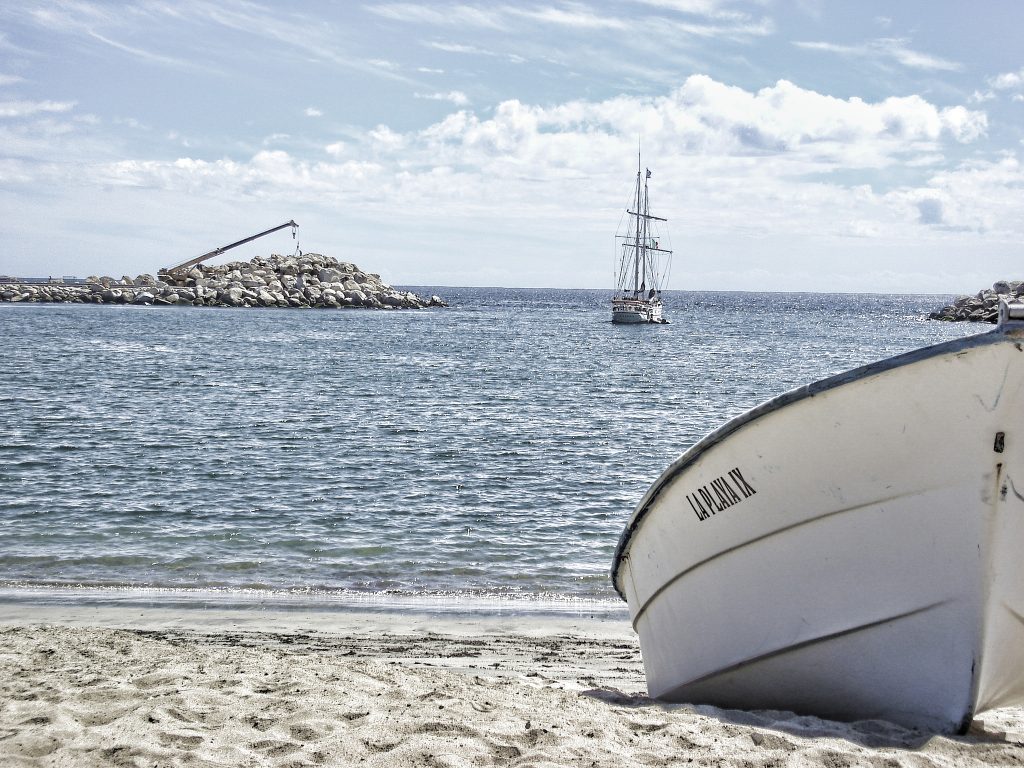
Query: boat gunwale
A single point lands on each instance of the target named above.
(803, 392)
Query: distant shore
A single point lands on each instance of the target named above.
(93, 687)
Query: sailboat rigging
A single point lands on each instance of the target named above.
(643, 263)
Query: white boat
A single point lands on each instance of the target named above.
(643, 263)
(851, 549)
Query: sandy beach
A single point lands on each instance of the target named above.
(166, 687)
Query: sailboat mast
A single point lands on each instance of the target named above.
(647, 224)
(646, 242)
(636, 251)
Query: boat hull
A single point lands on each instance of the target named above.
(636, 311)
(849, 550)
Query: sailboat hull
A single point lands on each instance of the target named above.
(637, 311)
(848, 550)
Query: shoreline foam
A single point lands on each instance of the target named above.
(455, 604)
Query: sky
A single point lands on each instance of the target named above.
(793, 146)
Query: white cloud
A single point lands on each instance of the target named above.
(782, 131)
(458, 98)
(964, 125)
(384, 138)
(177, 138)
(459, 48)
(71, 17)
(729, 164)
(95, 22)
(28, 108)
(285, 29)
(892, 48)
(930, 210)
(898, 49)
(738, 29)
(312, 112)
(812, 45)
(978, 196)
(7, 45)
(574, 15)
(10, 80)
(740, 143)
(1008, 80)
(711, 19)
(147, 55)
(455, 16)
(696, 7)
(861, 228)
(131, 122)
(717, 11)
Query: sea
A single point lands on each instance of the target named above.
(482, 457)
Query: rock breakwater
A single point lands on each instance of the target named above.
(982, 307)
(300, 281)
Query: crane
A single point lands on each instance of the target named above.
(169, 271)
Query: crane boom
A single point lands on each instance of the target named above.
(218, 251)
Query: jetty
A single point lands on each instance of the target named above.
(982, 307)
(303, 280)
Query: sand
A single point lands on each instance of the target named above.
(112, 687)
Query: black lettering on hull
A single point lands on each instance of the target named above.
(708, 499)
(720, 494)
(745, 488)
(697, 508)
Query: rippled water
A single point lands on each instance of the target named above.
(493, 448)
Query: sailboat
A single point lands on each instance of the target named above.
(643, 263)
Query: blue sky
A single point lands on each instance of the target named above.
(824, 146)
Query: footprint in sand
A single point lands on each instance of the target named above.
(260, 723)
(183, 717)
(434, 695)
(505, 751)
(42, 720)
(179, 740)
(273, 748)
(772, 741)
(446, 729)
(646, 728)
(304, 733)
(121, 755)
(34, 745)
(380, 746)
(154, 680)
(93, 717)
